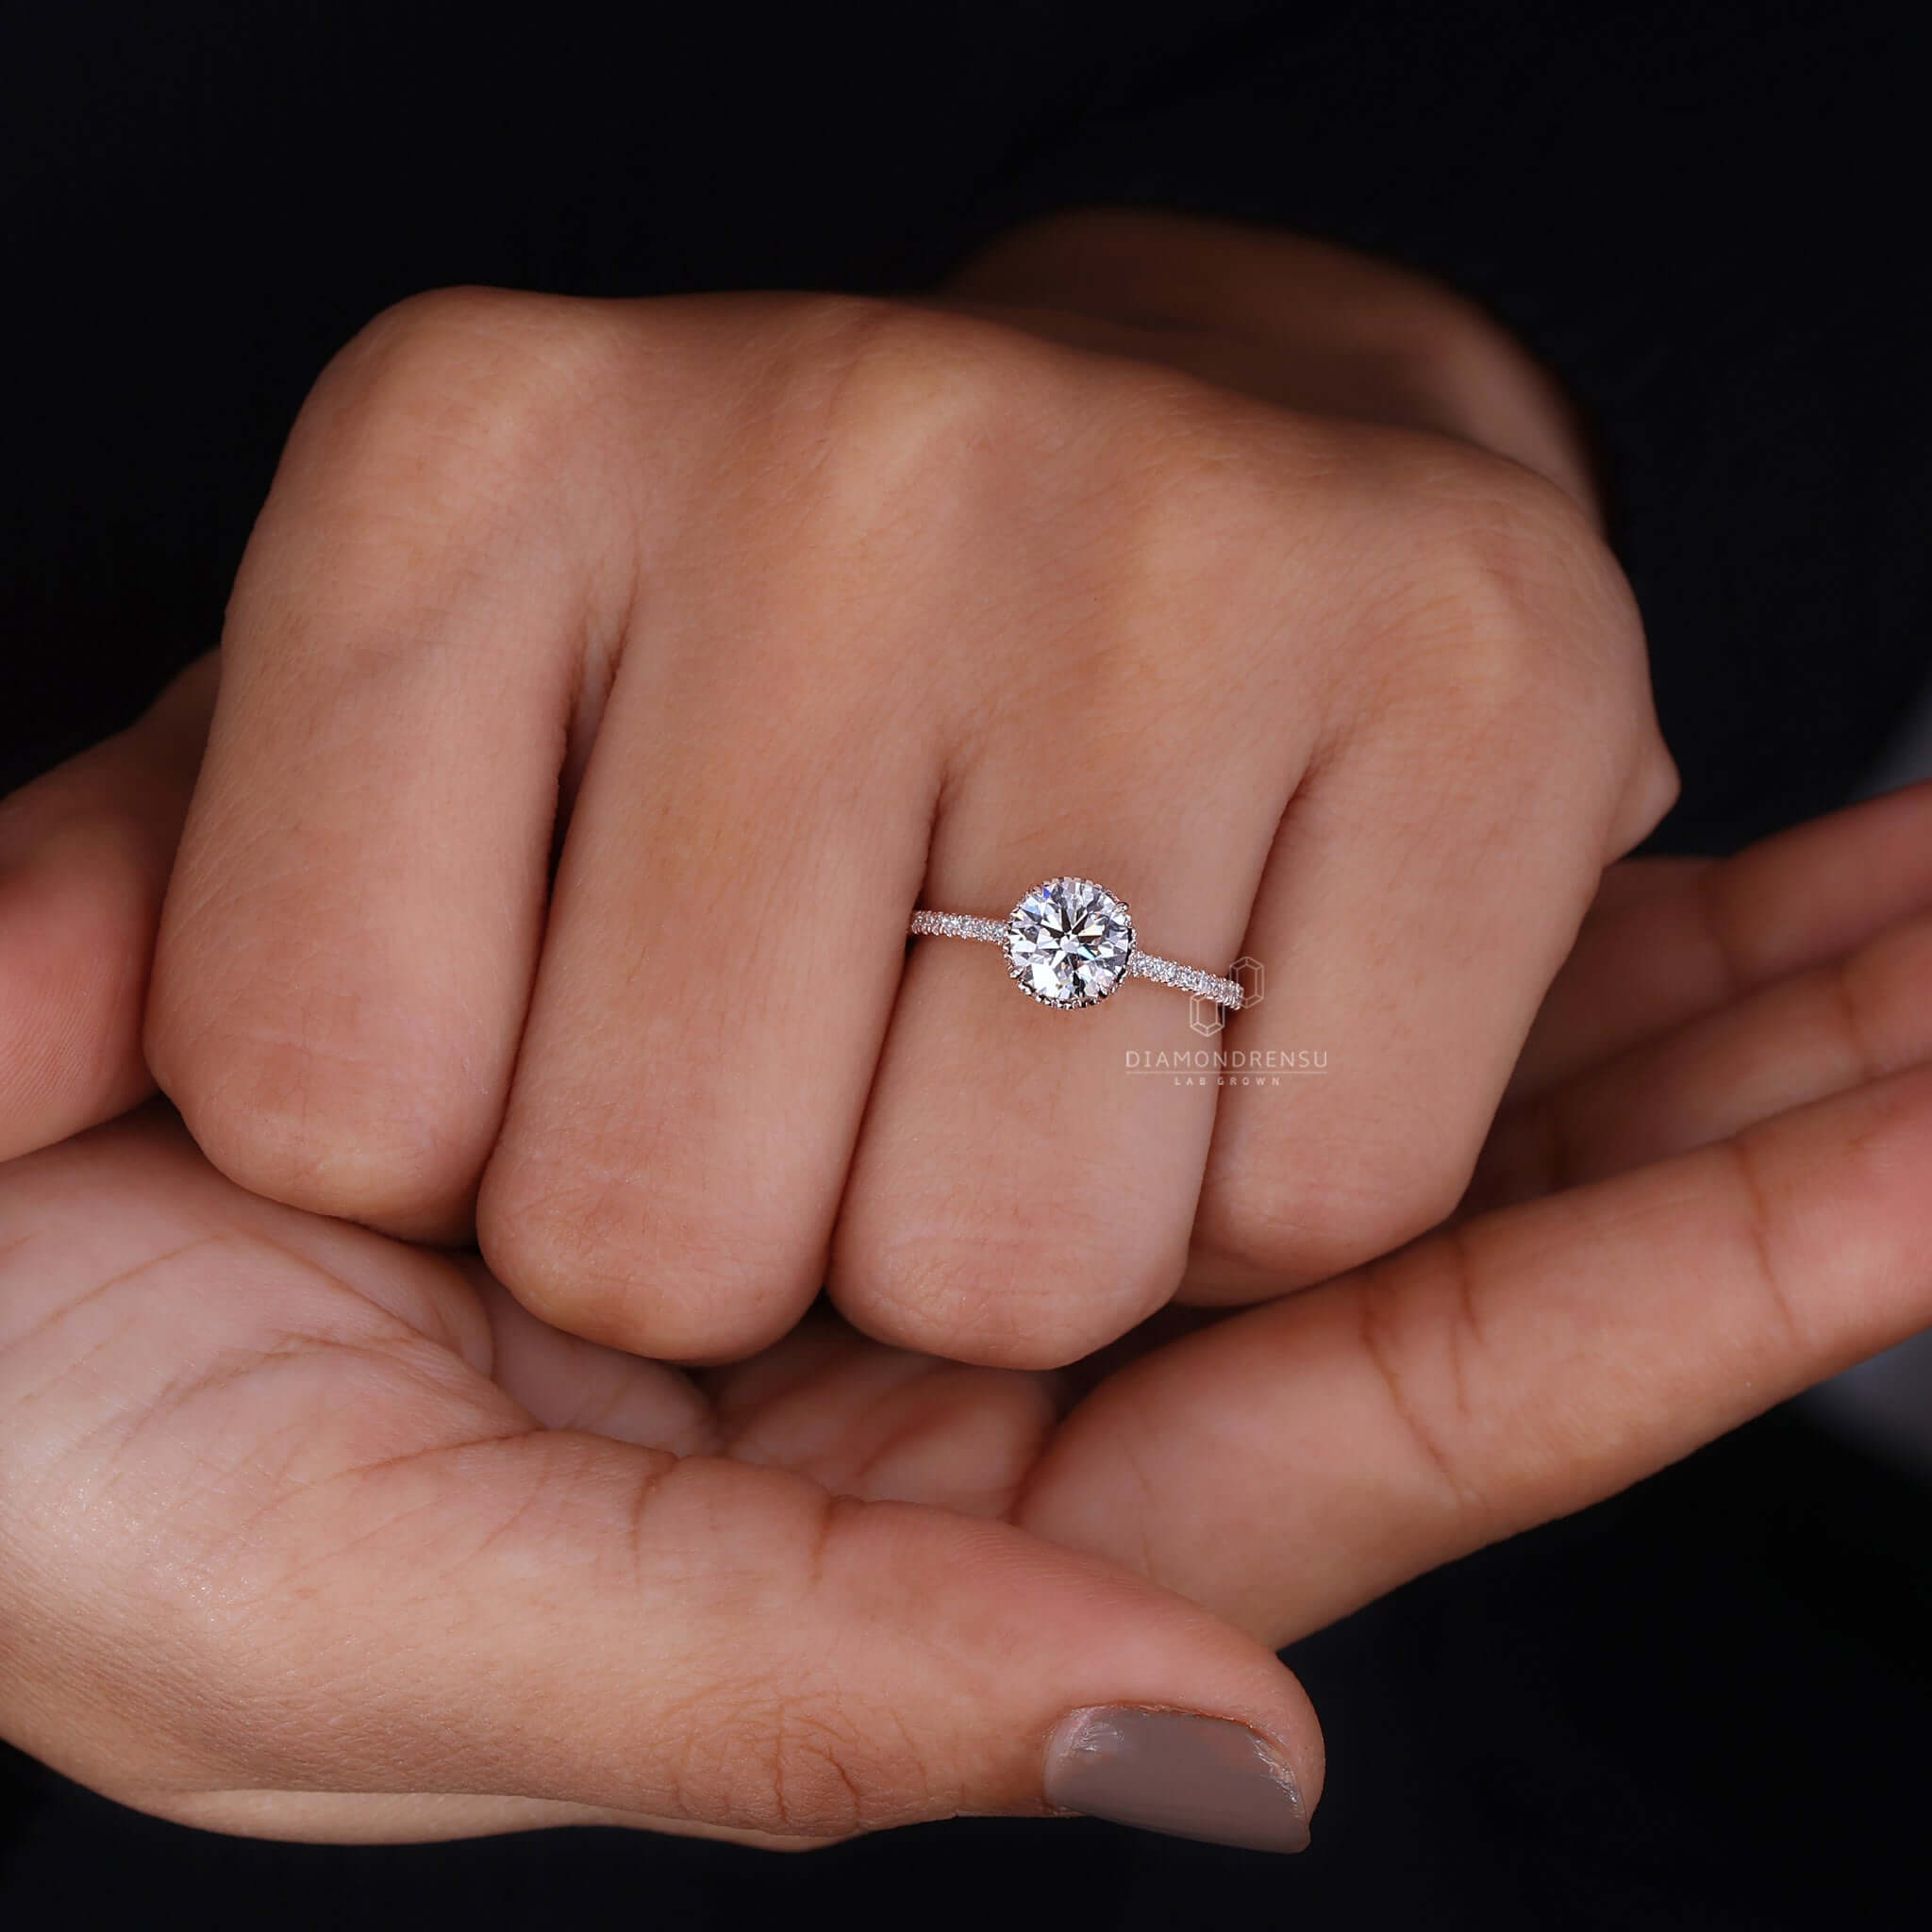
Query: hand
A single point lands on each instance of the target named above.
(774, 617)
(1706, 1192)
(315, 1534)
(312, 1534)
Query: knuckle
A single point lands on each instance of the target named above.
(557, 1248)
(1652, 787)
(1507, 592)
(459, 391)
(1506, 631)
(888, 413)
(616, 1252)
(873, 447)
(1193, 502)
(789, 1737)
(1421, 1335)
(492, 342)
(902, 373)
(1111, 490)
(327, 1125)
(982, 1294)
(813, 1772)
(306, 1104)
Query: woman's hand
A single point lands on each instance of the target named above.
(771, 618)
(311, 1533)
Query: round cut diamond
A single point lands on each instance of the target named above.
(1068, 943)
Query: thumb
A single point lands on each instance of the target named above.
(714, 1645)
(85, 852)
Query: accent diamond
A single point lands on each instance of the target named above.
(1068, 943)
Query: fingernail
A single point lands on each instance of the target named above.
(1177, 1771)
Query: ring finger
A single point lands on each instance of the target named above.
(1019, 1197)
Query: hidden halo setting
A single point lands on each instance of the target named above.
(1070, 943)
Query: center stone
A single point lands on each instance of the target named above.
(1068, 943)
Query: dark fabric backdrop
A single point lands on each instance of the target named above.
(1703, 1705)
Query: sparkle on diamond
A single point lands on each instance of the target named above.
(1069, 941)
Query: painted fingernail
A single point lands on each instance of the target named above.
(1177, 1771)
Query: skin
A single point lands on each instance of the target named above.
(766, 619)
(314, 1533)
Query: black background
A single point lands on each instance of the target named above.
(1703, 1705)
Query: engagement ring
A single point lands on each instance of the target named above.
(1070, 942)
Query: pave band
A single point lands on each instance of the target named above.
(1070, 942)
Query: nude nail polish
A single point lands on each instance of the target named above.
(1177, 1771)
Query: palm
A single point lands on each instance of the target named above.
(226, 1329)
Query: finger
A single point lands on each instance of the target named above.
(1699, 932)
(725, 942)
(1294, 1461)
(1818, 1032)
(882, 1423)
(859, 1420)
(348, 941)
(700, 1640)
(84, 859)
(381, 1577)
(1416, 904)
(1017, 1199)
(698, 1059)
(568, 1383)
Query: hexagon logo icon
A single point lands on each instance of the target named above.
(1207, 1017)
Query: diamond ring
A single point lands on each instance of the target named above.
(1070, 942)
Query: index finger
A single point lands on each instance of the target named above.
(1290, 1464)
(84, 856)
(1669, 940)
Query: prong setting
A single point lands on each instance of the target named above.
(1069, 943)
